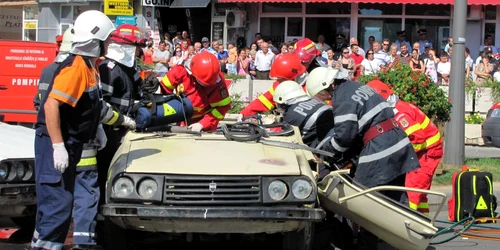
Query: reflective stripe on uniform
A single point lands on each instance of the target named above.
(412, 129)
(428, 142)
(49, 245)
(43, 86)
(106, 87)
(384, 153)
(266, 102)
(372, 113)
(90, 89)
(217, 114)
(167, 82)
(65, 96)
(86, 234)
(425, 123)
(413, 206)
(328, 136)
(336, 146)
(119, 101)
(344, 118)
(271, 90)
(312, 119)
(222, 102)
(87, 162)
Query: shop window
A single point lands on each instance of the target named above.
(437, 31)
(490, 12)
(328, 8)
(489, 29)
(31, 12)
(66, 12)
(380, 9)
(281, 7)
(424, 10)
(328, 27)
(294, 27)
(380, 28)
(273, 28)
(29, 34)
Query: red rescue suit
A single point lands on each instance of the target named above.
(210, 104)
(265, 102)
(427, 142)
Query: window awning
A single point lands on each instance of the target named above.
(470, 2)
(190, 3)
(17, 3)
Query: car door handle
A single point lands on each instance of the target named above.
(3, 87)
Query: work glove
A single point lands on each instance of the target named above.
(102, 139)
(239, 118)
(196, 127)
(128, 122)
(61, 160)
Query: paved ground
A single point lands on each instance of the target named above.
(481, 152)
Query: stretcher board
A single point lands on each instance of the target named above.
(396, 224)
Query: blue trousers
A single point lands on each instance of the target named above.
(86, 207)
(54, 194)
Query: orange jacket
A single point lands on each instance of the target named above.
(422, 132)
(210, 104)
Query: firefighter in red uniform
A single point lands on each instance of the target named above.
(285, 67)
(426, 140)
(203, 84)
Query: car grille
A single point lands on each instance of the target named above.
(212, 190)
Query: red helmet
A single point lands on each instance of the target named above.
(306, 50)
(129, 34)
(205, 68)
(381, 88)
(287, 66)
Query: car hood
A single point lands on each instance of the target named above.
(210, 155)
(16, 142)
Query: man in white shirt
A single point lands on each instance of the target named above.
(206, 46)
(380, 55)
(263, 61)
(353, 41)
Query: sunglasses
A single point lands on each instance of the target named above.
(371, 53)
(385, 44)
(346, 52)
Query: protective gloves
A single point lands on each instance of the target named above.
(61, 160)
(128, 122)
(101, 137)
(239, 118)
(196, 127)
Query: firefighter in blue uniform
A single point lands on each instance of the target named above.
(68, 118)
(119, 81)
(362, 117)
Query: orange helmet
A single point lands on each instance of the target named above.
(205, 68)
(287, 66)
(381, 88)
(129, 34)
(306, 50)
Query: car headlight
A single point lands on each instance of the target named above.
(301, 189)
(123, 187)
(20, 168)
(277, 190)
(4, 170)
(148, 188)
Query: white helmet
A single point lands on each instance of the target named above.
(321, 78)
(92, 24)
(286, 91)
(67, 41)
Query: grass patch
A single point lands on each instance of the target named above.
(491, 165)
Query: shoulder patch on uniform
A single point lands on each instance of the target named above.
(404, 123)
(111, 65)
(223, 91)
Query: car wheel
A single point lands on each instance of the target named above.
(26, 222)
(300, 240)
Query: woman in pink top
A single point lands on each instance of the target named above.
(148, 54)
(242, 65)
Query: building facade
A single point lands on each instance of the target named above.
(283, 22)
